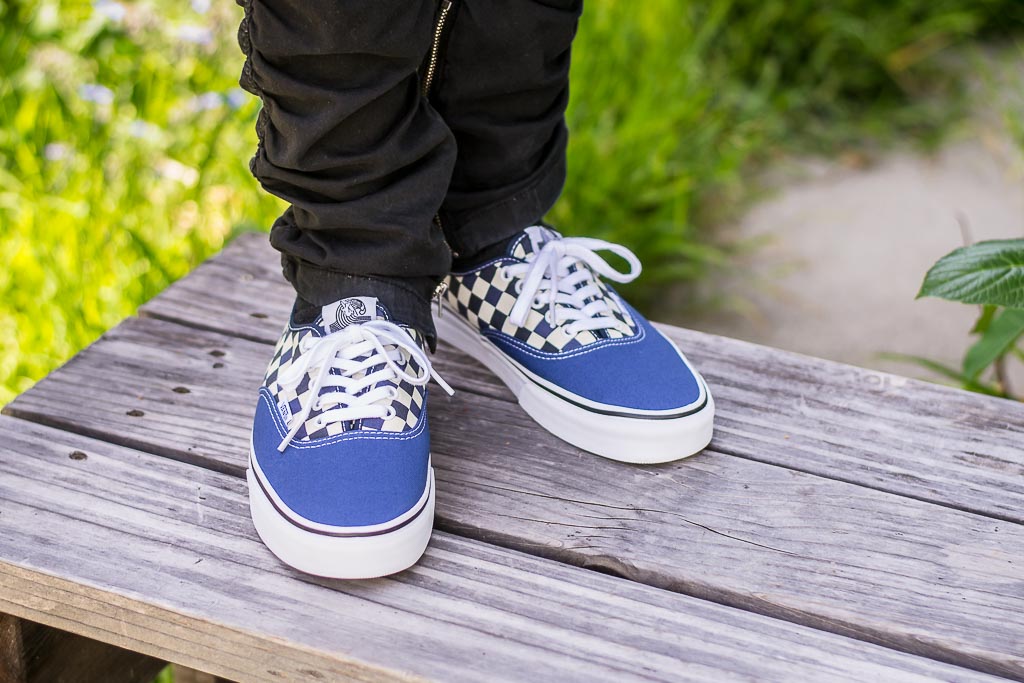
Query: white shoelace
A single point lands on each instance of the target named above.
(547, 275)
(383, 343)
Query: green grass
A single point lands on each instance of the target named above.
(103, 203)
(124, 141)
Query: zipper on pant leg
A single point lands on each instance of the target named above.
(435, 47)
(442, 286)
(439, 292)
(429, 78)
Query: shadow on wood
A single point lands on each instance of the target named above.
(33, 653)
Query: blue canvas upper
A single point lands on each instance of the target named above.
(629, 365)
(641, 372)
(346, 473)
(357, 478)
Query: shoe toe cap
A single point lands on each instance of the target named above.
(638, 374)
(350, 480)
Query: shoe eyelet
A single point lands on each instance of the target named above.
(518, 287)
(538, 302)
(391, 413)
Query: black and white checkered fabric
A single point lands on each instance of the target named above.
(408, 404)
(485, 297)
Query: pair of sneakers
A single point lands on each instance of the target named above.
(340, 480)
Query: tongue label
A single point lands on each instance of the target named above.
(532, 240)
(353, 310)
(538, 235)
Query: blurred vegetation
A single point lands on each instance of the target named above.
(124, 139)
(674, 107)
(989, 274)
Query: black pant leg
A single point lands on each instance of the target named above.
(502, 89)
(348, 140)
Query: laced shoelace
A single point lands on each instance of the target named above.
(355, 397)
(549, 275)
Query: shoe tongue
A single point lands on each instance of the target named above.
(531, 241)
(351, 311)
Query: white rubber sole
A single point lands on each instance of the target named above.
(345, 553)
(638, 440)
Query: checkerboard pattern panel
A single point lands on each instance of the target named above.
(486, 297)
(408, 403)
(284, 354)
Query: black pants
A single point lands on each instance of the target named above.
(392, 166)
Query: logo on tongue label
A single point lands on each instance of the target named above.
(341, 314)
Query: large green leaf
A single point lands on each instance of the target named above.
(1001, 335)
(984, 273)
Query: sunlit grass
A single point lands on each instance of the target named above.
(124, 146)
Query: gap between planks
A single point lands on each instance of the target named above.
(465, 606)
(872, 429)
(799, 547)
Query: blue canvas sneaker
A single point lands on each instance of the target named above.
(340, 482)
(581, 361)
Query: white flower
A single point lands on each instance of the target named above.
(111, 10)
(96, 93)
(55, 151)
(175, 170)
(205, 102)
(144, 130)
(236, 98)
(194, 33)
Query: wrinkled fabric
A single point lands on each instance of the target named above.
(385, 184)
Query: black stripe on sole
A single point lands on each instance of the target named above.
(337, 534)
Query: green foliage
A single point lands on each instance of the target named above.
(674, 104)
(124, 139)
(996, 341)
(123, 151)
(991, 274)
(836, 67)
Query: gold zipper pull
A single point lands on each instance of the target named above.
(439, 292)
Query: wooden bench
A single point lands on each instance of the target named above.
(843, 525)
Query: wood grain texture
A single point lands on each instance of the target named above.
(899, 435)
(12, 652)
(832, 555)
(34, 653)
(160, 556)
(56, 656)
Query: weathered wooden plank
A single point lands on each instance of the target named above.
(12, 651)
(34, 653)
(896, 434)
(836, 556)
(56, 656)
(880, 430)
(160, 556)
